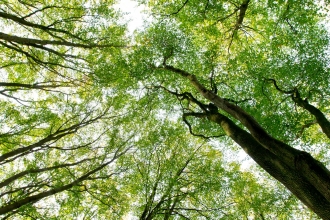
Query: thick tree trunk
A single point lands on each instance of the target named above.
(305, 177)
(288, 176)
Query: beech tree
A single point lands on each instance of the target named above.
(99, 122)
(224, 60)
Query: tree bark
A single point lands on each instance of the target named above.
(272, 164)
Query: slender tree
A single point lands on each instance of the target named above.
(51, 158)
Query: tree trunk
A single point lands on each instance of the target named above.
(304, 176)
(273, 164)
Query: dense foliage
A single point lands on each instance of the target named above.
(99, 122)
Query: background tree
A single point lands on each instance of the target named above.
(172, 178)
(52, 160)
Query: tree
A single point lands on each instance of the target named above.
(233, 44)
(95, 125)
(169, 177)
(51, 158)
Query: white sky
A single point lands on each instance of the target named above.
(134, 16)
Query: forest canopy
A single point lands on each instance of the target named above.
(211, 110)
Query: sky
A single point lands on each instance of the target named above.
(134, 14)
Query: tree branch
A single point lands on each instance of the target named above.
(37, 42)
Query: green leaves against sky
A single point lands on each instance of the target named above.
(99, 122)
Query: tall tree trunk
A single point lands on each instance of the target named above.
(274, 165)
(304, 176)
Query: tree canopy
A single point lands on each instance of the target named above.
(212, 110)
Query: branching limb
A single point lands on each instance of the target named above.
(177, 11)
(47, 86)
(239, 22)
(184, 4)
(228, 16)
(48, 29)
(36, 42)
(197, 115)
(318, 114)
(278, 88)
(185, 96)
(207, 110)
(36, 197)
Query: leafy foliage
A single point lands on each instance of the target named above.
(98, 126)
